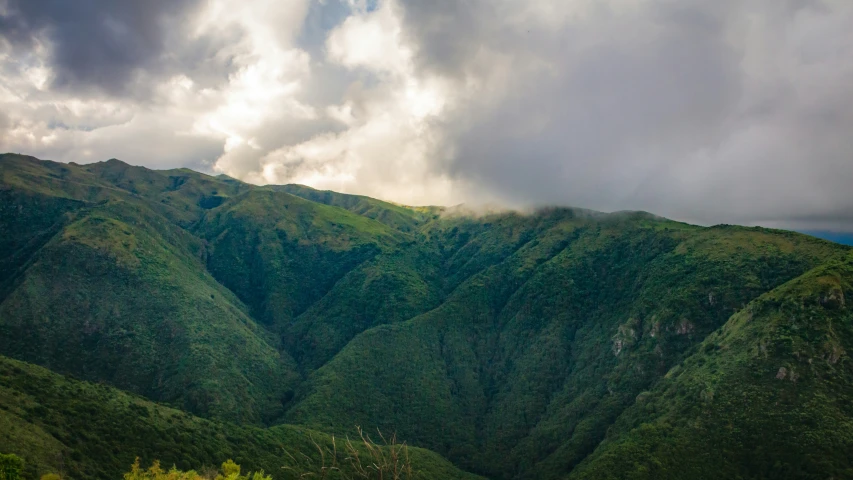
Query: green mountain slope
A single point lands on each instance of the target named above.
(110, 298)
(315, 274)
(115, 291)
(516, 345)
(537, 354)
(85, 430)
(281, 253)
(387, 289)
(766, 396)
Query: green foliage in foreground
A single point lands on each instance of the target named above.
(362, 460)
(85, 430)
(230, 471)
(11, 467)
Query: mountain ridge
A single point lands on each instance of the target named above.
(512, 343)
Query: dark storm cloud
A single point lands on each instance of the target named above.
(658, 88)
(98, 44)
(447, 34)
(706, 111)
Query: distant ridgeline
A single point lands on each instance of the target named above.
(191, 319)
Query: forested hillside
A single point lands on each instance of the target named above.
(766, 396)
(559, 343)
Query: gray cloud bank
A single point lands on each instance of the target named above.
(725, 111)
(97, 44)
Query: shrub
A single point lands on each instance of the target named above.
(11, 467)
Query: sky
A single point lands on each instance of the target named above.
(724, 111)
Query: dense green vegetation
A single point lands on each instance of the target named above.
(556, 343)
(766, 396)
(86, 430)
(536, 355)
(11, 467)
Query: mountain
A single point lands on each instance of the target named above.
(111, 288)
(766, 396)
(557, 324)
(559, 343)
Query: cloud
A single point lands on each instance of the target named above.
(386, 141)
(704, 111)
(227, 82)
(725, 111)
(104, 44)
(591, 106)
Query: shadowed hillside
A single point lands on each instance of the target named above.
(84, 430)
